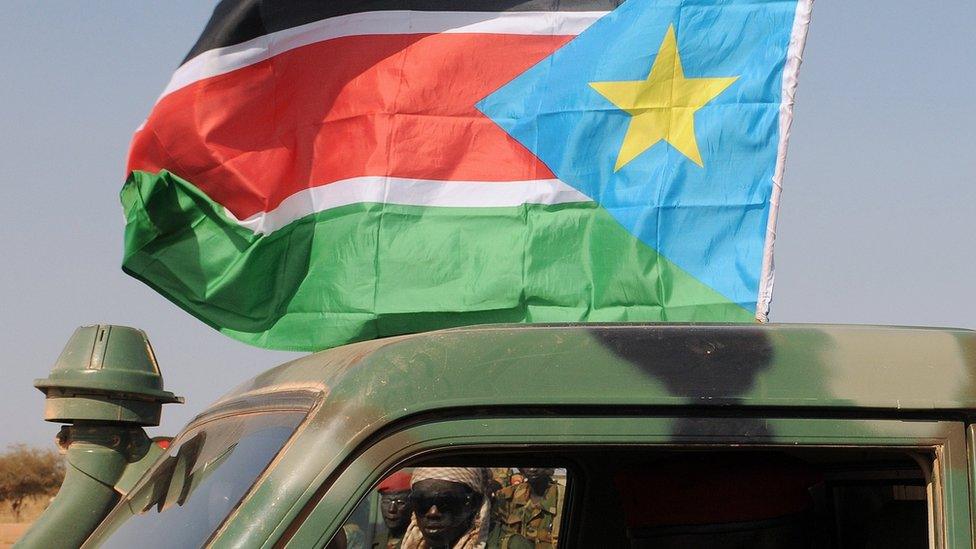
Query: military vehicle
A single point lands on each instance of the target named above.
(657, 436)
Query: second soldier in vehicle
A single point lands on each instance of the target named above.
(396, 510)
(530, 509)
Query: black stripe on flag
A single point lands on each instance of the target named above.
(237, 21)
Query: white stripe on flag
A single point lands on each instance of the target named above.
(222, 60)
(410, 192)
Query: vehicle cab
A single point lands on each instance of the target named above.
(651, 435)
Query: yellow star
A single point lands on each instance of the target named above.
(662, 106)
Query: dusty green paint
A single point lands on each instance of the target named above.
(368, 386)
(677, 376)
(107, 385)
(101, 461)
(79, 507)
(784, 365)
(105, 373)
(348, 489)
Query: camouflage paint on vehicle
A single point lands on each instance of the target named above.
(752, 384)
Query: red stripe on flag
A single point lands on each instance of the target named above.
(397, 105)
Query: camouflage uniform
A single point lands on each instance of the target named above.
(498, 539)
(385, 541)
(516, 513)
(501, 475)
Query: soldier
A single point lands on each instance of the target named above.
(531, 508)
(452, 511)
(396, 509)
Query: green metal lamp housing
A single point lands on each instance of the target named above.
(107, 374)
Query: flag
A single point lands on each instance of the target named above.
(317, 173)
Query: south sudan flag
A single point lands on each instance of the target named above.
(317, 173)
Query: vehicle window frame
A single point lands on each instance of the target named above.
(302, 401)
(946, 441)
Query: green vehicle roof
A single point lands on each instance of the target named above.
(821, 366)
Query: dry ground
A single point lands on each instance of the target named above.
(11, 527)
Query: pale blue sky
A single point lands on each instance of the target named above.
(877, 225)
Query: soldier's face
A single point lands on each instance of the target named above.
(537, 473)
(444, 510)
(396, 509)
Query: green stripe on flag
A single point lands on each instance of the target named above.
(370, 270)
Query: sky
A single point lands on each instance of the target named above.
(877, 223)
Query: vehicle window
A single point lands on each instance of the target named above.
(205, 474)
(837, 498)
(813, 499)
(509, 507)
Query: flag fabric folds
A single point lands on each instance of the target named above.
(321, 173)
